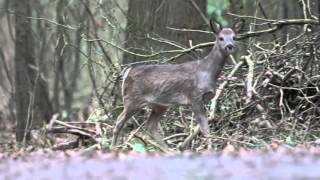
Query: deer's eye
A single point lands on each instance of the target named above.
(234, 38)
(221, 38)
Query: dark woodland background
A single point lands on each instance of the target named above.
(61, 63)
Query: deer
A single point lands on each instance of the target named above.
(192, 83)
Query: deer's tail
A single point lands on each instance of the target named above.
(124, 79)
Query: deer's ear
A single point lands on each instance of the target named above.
(215, 26)
(238, 25)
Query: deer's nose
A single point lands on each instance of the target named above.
(229, 47)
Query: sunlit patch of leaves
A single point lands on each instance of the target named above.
(105, 142)
(138, 145)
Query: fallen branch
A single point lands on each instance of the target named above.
(249, 87)
(70, 128)
(67, 145)
(75, 127)
(71, 131)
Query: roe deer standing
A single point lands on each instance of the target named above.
(191, 83)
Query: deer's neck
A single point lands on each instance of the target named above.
(214, 62)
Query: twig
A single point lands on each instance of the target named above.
(67, 145)
(53, 120)
(72, 131)
(221, 87)
(249, 77)
(278, 25)
(204, 17)
(75, 127)
(190, 30)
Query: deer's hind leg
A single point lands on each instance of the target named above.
(125, 115)
(153, 124)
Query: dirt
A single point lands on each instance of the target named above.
(281, 163)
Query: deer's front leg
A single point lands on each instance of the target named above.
(200, 114)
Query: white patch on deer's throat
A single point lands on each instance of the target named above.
(203, 78)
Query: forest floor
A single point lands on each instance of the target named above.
(283, 162)
(276, 162)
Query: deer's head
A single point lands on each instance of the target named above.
(225, 37)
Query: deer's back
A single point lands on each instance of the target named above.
(163, 84)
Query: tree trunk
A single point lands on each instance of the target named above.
(154, 18)
(80, 17)
(31, 91)
(60, 55)
(23, 59)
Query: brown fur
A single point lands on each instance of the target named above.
(159, 86)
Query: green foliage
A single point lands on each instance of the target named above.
(123, 24)
(104, 142)
(140, 146)
(98, 115)
(290, 141)
(217, 9)
(65, 115)
(137, 145)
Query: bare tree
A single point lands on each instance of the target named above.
(157, 20)
(31, 92)
(23, 60)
